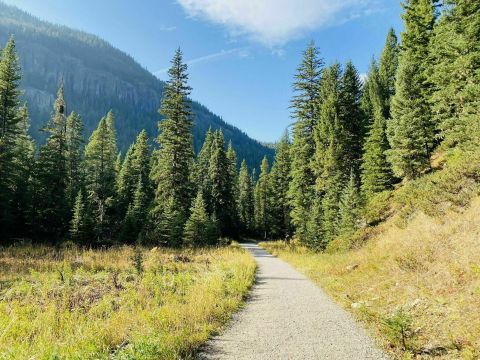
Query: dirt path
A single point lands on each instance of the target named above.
(288, 317)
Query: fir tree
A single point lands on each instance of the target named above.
(201, 177)
(197, 227)
(376, 171)
(233, 180)
(24, 167)
(350, 205)
(221, 192)
(411, 131)
(388, 69)
(456, 73)
(172, 173)
(126, 181)
(280, 177)
(245, 199)
(352, 117)
(100, 173)
(78, 222)
(136, 215)
(304, 105)
(9, 119)
(262, 201)
(54, 208)
(74, 153)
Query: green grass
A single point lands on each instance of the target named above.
(117, 303)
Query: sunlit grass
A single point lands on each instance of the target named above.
(95, 304)
(427, 271)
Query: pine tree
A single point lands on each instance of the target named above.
(280, 177)
(196, 230)
(314, 238)
(388, 69)
(136, 215)
(78, 223)
(233, 180)
(411, 131)
(24, 166)
(127, 180)
(201, 177)
(172, 173)
(456, 73)
(263, 201)
(352, 117)
(74, 154)
(376, 171)
(54, 209)
(305, 113)
(350, 205)
(245, 199)
(100, 174)
(221, 192)
(9, 119)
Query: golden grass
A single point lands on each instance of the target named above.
(94, 304)
(428, 270)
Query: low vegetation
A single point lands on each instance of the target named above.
(118, 303)
(416, 286)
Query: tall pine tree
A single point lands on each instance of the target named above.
(172, 171)
(263, 209)
(245, 200)
(305, 113)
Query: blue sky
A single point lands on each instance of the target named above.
(242, 54)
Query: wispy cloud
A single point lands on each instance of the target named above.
(241, 52)
(275, 22)
(167, 28)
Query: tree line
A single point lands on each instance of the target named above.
(352, 139)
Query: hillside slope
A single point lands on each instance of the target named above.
(414, 278)
(99, 77)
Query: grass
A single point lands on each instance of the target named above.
(117, 303)
(415, 286)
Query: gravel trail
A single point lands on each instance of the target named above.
(288, 317)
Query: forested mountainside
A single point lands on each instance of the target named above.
(99, 77)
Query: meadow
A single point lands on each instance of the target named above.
(415, 287)
(117, 303)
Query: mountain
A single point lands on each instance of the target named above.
(97, 78)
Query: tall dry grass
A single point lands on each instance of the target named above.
(99, 304)
(422, 278)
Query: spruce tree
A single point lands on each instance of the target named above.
(280, 177)
(304, 105)
(388, 69)
(78, 223)
(411, 131)
(172, 171)
(9, 119)
(74, 156)
(54, 210)
(456, 73)
(245, 199)
(263, 209)
(197, 227)
(127, 180)
(135, 217)
(350, 206)
(202, 164)
(352, 117)
(24, 167)
(221, 192)
(376, 171)
(233, 179)
(100, 174)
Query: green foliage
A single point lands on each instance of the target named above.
(399, 330)
(79, 222)
(456, 74)
(198, 228)
(280, 177)
(74, 156)
(350, 207)
(172, 171)
(388, 70)
(411, 131)
(305, 113)
(100, 176)
(245, 200)
(263, 195)
(137, 260)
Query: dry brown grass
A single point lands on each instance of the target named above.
(428, 271)
(95, 304)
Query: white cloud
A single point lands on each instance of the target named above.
(275, 22)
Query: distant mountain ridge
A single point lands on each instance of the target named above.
(97, 78)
